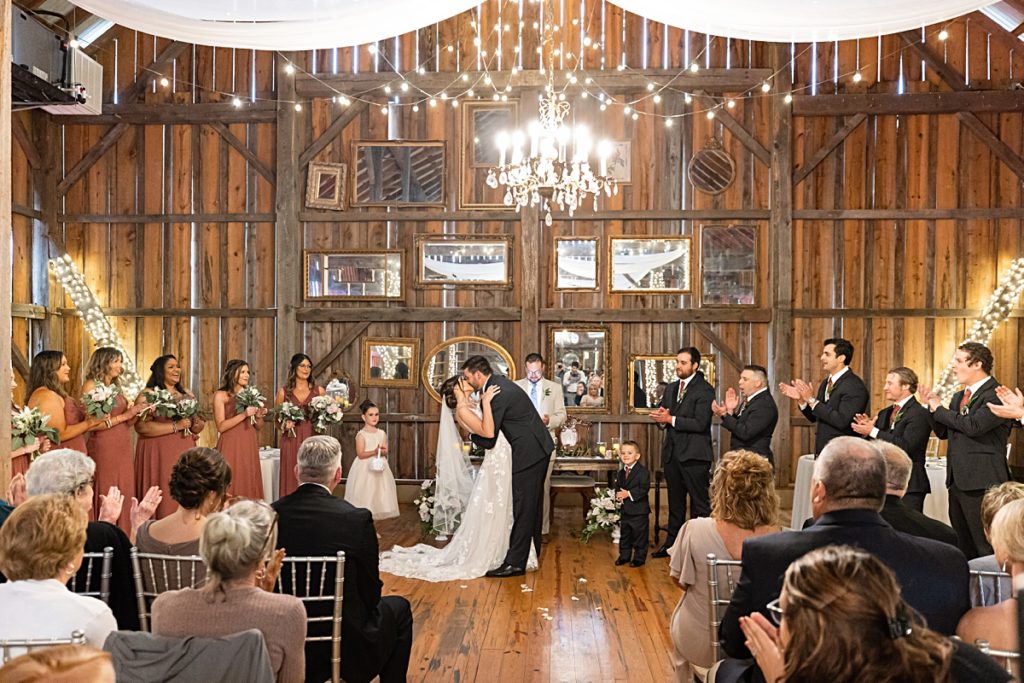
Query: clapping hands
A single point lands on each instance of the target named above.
(110, 505)
(267, 577)
(863, 424)
(928, 395)
(763, 643)
(798, 390)
(1012, 403)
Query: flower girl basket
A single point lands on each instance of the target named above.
(378, 463)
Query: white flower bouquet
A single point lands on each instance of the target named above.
(425, 506)
(604, 514)
(187, 408)
(162, 402)
(100, 401)
(289, 412)
(324, 412)
(28, 425)
(249, 397)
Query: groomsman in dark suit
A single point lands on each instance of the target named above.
(685, 415)
(905, 423)
(751, 415)
(841, 396)
(976, 458)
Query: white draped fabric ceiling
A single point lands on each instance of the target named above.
(322, 24)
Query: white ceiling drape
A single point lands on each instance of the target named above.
(321, 24)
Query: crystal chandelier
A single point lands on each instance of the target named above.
(557, 170)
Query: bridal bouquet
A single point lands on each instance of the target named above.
(187, 408)
(604, 514)
(28, 425)
(162, 402)
(425, 506)
(101, 400)
(290, 412)
(249, 397)
(324, 412)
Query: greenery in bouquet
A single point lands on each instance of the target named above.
(425, 506)
(605, 511)
(289, 412)
(28, 426)
(162, 402)
(100, 401)
(249, 397)
(324, 412)
(187, 408)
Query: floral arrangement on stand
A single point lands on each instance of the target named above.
(249, 397)
(425, 506)
(101, 400)
(324, 412)
(28, 426)
(604, 514)
(289, 412)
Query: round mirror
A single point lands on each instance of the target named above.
(711, 170)
(445, 360)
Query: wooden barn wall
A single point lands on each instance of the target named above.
(199, 279)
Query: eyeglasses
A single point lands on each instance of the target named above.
(775, 612)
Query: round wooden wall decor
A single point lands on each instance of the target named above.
(711, 170)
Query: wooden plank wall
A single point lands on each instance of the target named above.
(225, 268)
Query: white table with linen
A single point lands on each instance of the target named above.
(270, 468)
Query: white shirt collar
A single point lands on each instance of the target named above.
(903, 402)
(759, 391)
(977, 385)
(316, 483)
(835, 377)
(686, 382)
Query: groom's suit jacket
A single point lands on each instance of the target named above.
(516, 418)
(551, 402)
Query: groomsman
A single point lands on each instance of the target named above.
(976, 458)
(904, 423)
(685, 415)
(841, 396)
(751, 415)
(546, 396)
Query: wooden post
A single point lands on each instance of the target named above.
(780, 255)
(288, 229)
(530, 248)
(6, 233)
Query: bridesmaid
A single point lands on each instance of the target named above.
(161, 439)
(49, 374)
(22, 457)
(299, 389)
(239, 439)
(110, 444)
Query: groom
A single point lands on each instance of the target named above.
(516, 417)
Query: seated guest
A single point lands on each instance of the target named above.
(847, 493)
(60, 664)
(40, 550)
(237, 546)
(900, 516)
(376, 631)
(998, 624)
(985, 590)
(70, 473)
(840, 618)
(199, 485)
(743, 504)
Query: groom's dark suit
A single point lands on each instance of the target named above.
(516, 417)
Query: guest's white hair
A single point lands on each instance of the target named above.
(233, 542)
(61, 471)
(319, 458)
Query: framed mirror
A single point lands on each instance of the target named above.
(445, 360)
(325, 185)
(650, 374)
(579, 360)
(474, 260)
(390, 361)
(338, 275)
(728, 265)
(481, 123)
(649, 265)
(394, 173)
(576, 264)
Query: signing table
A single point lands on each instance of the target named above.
(936, 503)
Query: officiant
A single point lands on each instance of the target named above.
(547, 399)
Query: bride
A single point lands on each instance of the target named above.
(481, 509)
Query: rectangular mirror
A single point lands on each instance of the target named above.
(325, 186)
(355, 274)
(576, 263)
(652, 265)
(728, 265)
(481, 123)
(649, 375)
(390, 362)
(475, 260)
(398, 173)
(579, 362)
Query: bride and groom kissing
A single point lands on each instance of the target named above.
(500, 511)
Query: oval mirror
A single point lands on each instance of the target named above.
(445, 360)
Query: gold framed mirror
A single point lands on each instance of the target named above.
(390, 362)
(650, 374)
(325, 185)
(446, 358)
(649, 265)
(579, 357)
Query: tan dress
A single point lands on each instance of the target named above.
(691, 638)
(374, 491)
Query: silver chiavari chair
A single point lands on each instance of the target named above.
(28, 644)
(155, 574)
(1009, 659)
(93, 579)
(989, 587)
(722, 577)
(309, 579)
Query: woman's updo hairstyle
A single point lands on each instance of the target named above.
(447, 391)
(198, 472)
(235, 541)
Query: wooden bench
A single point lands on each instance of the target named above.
(571, 483)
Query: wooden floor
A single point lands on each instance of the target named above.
(580, 618)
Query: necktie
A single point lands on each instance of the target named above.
(533, 395)
(682, 392)
(628, 468)
(828, 388)
(742, 407)
(965, 402)
(894, 418)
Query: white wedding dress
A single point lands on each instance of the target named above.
(480, 542)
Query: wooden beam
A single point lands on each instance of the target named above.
(244, 150)
(895, 313)
(170, 114)
(353, 333)
(407, 314)
(946, 73)
(6, 232)
(827, 148)
(723, 346)
(332, 132)
(288, 230)
(35, 160)
(909, 103)
(20, 363)
(154, 69)
(709, 80)
(136, 218)
(85, 163)
(662, 314)
(25, 211)
(28, 311)
(1003, 151)
(736, 128)
(427, 216)
(138, 312)
(995, 213)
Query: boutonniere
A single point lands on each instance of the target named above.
(547, 392)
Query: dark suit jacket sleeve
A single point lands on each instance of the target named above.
(371, 584)
(701, 420)
(840, 409)
(974, 425)
(940, 429)
(498, 406)
(916, 431)
(757, 421)
(808, 413)
(640, 485)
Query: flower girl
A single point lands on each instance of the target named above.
(370, 482)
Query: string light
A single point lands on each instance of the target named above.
(943, 34)
(165, 82)
(857, 77)
(237, 101)
(289, 68)
(788, 98)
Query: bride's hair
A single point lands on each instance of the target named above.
(447, 391)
